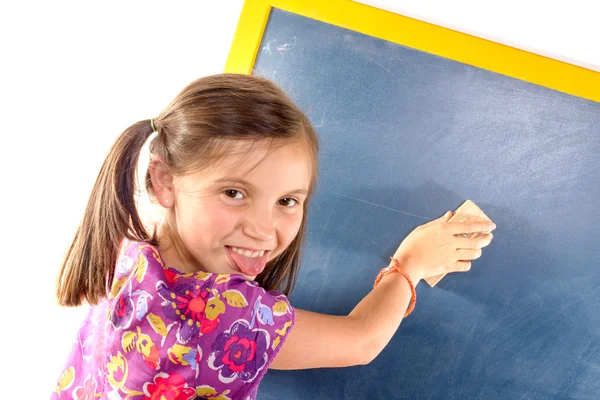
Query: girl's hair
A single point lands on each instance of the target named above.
(197, 129)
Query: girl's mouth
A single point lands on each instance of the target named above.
(247, 265)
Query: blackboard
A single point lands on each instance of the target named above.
(406, 136)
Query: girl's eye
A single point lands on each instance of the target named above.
(235, 194)
(232, 193)
(286, 202)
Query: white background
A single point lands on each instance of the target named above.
(566, 30)
(74, 75)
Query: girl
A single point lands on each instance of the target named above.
(197, 306)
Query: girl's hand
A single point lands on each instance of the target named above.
(434, 248)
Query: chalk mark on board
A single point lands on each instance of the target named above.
(380, 206)
(320, 125)
(325, 225)
(267, 49)
(286, 46)
(372, 59)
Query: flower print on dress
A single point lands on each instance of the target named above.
(207, 392)
(240, 352)
(261, 313)
(65, 381)
(144, 345)
(142, 266)
(168, 387)
(183, 355)
(121, 313)
(125, 265)
(142, 303)
(117, 371)
(187, 305)
(155, 253)
(87, 391)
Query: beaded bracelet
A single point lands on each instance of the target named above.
(396, 268)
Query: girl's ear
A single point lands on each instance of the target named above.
(162, 182)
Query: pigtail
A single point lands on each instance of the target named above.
(110, 216)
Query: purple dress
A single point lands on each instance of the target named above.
(162, 334)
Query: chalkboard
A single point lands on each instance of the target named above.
(406, 136)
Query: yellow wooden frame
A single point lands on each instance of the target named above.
(419, 35)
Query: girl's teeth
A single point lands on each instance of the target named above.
(248, 253)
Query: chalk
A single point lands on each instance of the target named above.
(467, 212)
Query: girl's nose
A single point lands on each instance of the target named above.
(260, 226)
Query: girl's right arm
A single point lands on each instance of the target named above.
(319, 340)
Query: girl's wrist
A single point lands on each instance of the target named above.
(395, 269)
(414, 271)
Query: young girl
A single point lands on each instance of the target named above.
(197, 306)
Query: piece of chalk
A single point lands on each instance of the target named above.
(467, 212)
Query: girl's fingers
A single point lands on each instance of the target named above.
(458, 228)
(479, 242)
(446, 217)
(443, 218)
(468, 254)
(460, 266)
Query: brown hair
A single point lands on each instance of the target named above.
(192, 132)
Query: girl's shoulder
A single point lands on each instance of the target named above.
(230, 327)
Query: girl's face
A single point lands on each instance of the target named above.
(236, 216)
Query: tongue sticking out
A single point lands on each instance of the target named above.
(249, 266)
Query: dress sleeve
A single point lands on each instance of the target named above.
(254, 323)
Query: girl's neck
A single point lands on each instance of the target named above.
(173, 250)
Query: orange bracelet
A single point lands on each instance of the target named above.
(396, 268)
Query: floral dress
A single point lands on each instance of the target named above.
(162, 334)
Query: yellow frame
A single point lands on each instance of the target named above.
(419, 35)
